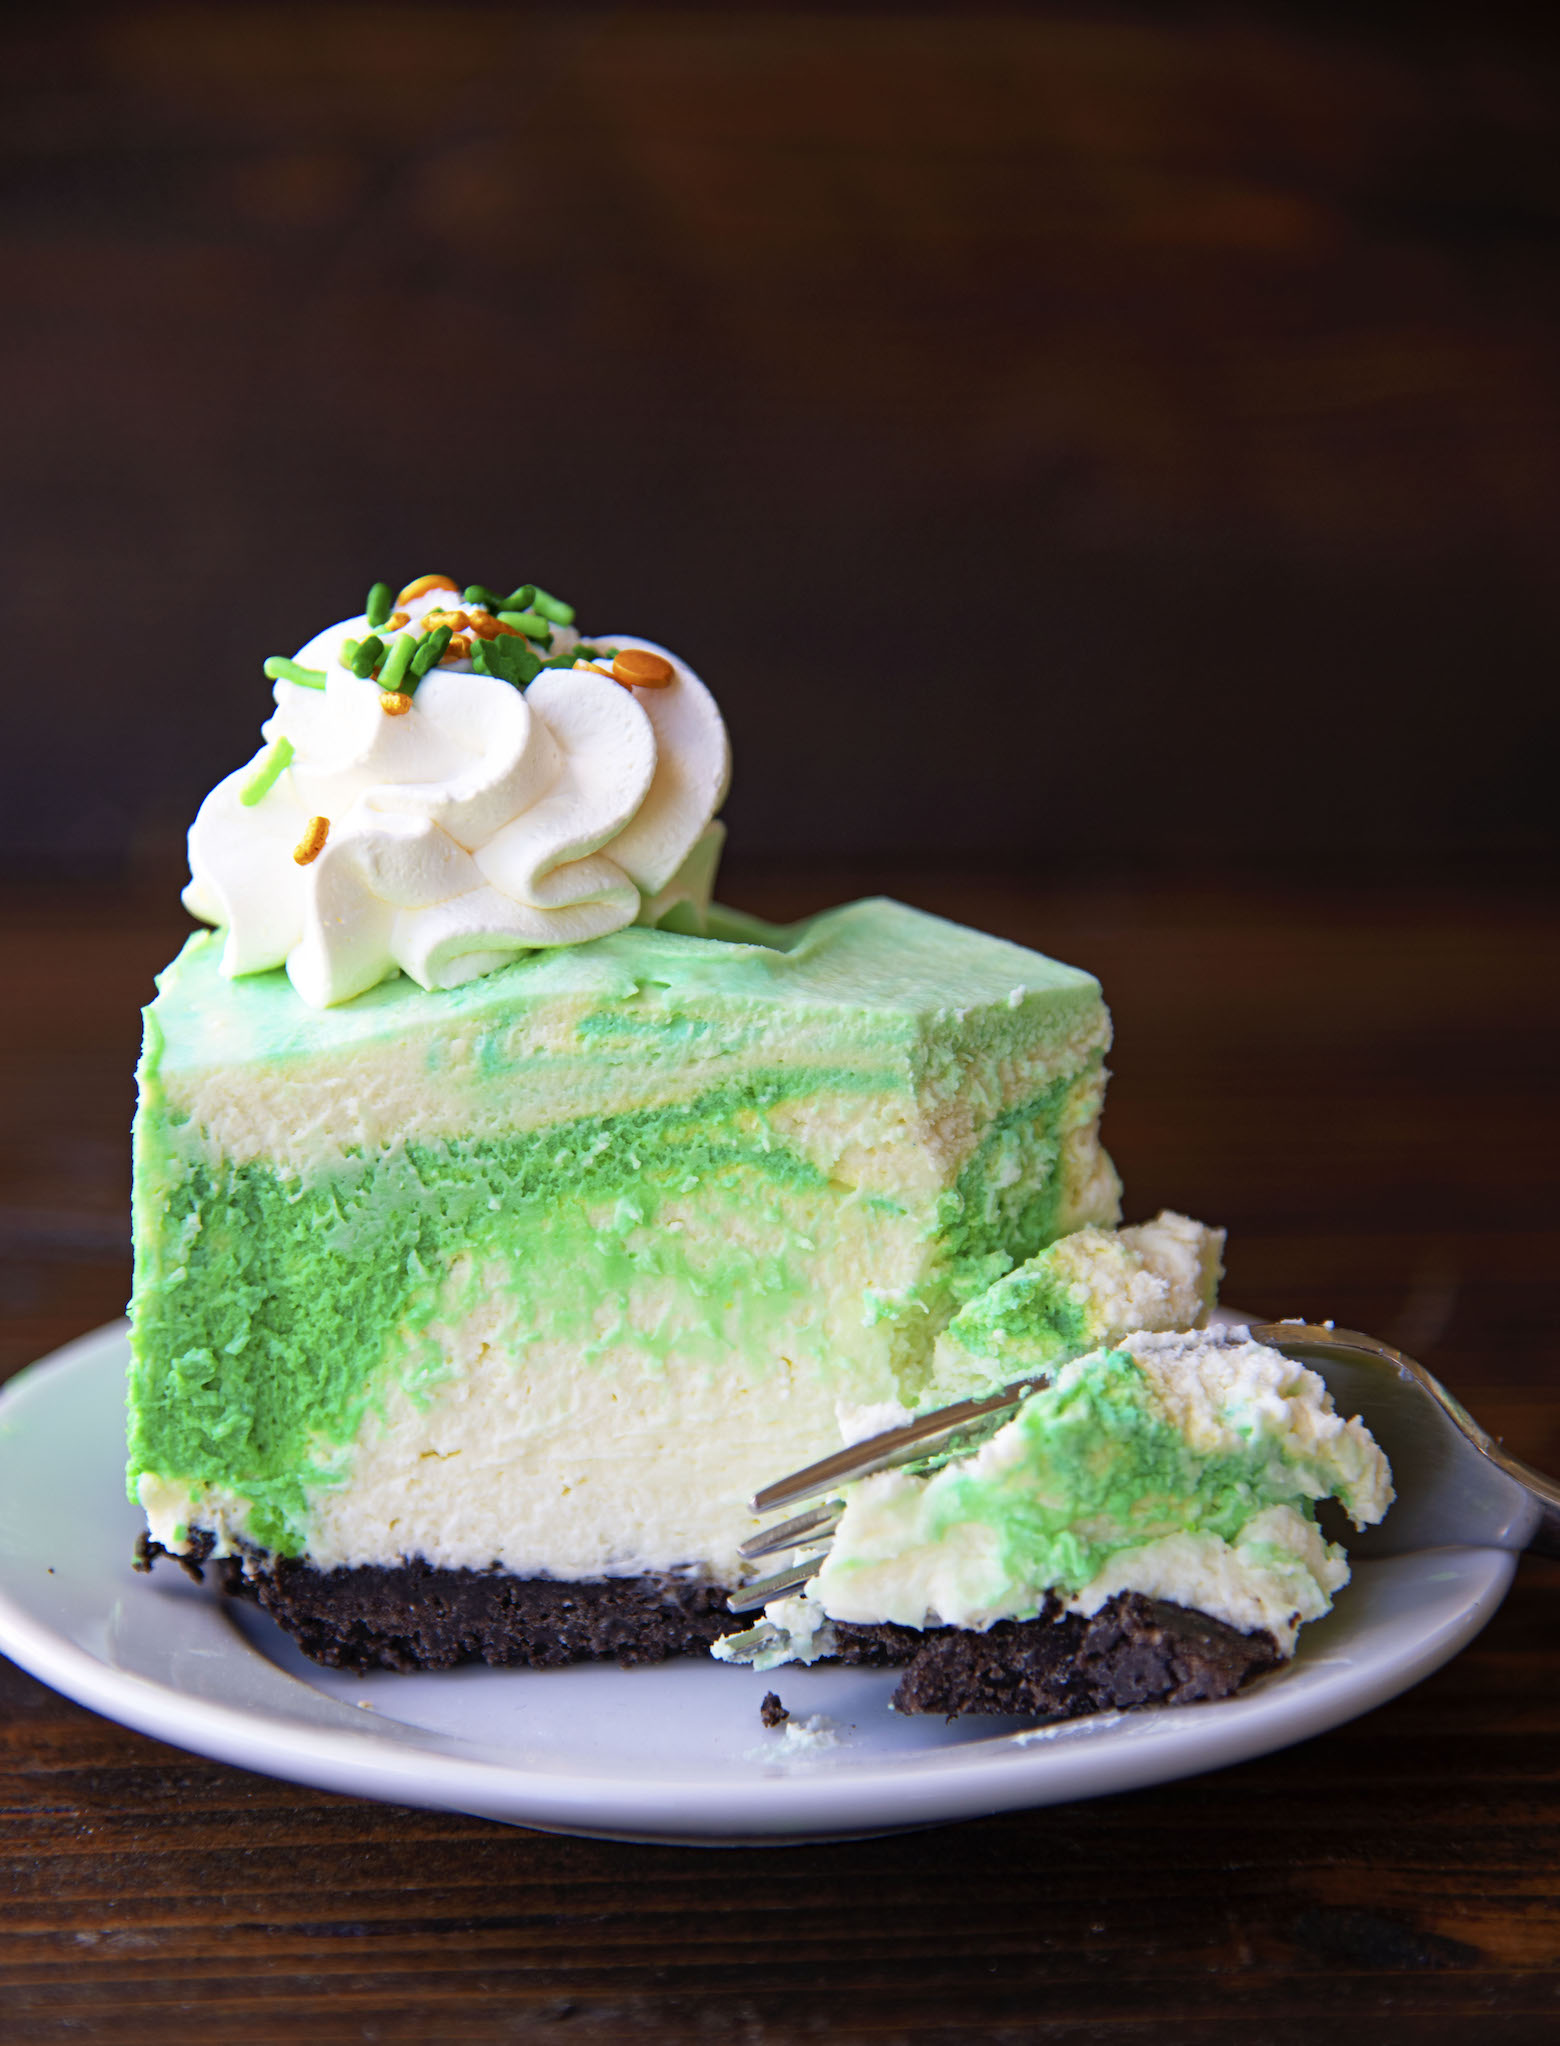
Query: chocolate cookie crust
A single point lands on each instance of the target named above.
(1134, 1651)
(417, 1617)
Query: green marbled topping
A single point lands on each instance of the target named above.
(892, 972)
(1110, 1457)
(1102, 1469)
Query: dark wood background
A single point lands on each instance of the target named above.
(1039, 424)
(1362, 1084)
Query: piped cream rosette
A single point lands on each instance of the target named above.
(479, 824)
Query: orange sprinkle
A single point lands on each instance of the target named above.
(397, 619)
(457, 650)
(457, 621)
(637, 669)
(486, 627)
(309, 846)
(423, 585)
(393, 703)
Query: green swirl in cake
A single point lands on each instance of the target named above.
(1186, 1467)
(553, 1269)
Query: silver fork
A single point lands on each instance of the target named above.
(1455, 1484)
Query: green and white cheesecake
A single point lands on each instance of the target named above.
(504, 1214)
(553, 1270)
(1176, 1471)
(507, 1214)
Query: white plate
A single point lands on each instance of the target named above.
(675, 1753)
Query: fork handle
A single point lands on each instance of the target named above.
(1545, 1495)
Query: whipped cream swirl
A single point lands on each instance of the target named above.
(481, 823)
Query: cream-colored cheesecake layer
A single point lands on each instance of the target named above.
(1181, 1466)
(408, 1267)
(633, 1441)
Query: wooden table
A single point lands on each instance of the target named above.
(1361, 1083)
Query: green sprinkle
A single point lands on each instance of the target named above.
(511, 660)
(380, 604)
(489, 600)
(521, 599)
(279, 669)
(429, 648)
(366, 658)
(593, 653)
(274, 759)
(564, 660)
(349, 651)
(531, 623)
(553, 607)
(399, 659)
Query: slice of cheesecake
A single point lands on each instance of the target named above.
(467, 1322)
(1142, 1530)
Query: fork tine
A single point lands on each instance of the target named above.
(878, 1452)
(752, 1596)
(807, 1531)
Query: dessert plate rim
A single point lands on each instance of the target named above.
(182, 1665)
